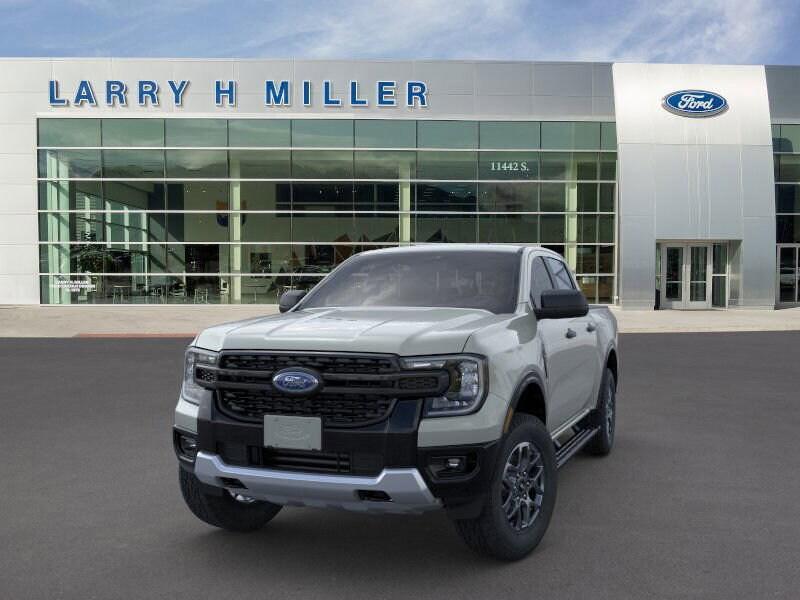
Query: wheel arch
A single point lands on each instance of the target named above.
(529, 398)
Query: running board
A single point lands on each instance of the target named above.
(575, 443)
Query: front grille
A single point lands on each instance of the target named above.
(336, 410)
(302, 460)
(356, 390)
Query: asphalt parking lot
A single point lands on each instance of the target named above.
(698, 500)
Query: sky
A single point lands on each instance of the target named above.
(682, 31)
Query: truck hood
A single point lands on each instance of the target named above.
(403, 331)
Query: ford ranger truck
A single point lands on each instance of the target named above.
(457, 377)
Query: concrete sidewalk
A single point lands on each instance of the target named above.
(187, 320)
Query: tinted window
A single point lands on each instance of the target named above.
(561, 276)
(540, 281)
(458, 279)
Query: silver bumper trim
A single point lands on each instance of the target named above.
(405, 487)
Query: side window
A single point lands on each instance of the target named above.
(561, 276)
(540, 281)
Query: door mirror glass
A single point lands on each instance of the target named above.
(562, 304)
(290, 299)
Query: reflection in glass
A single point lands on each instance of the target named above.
(264, 133)
(62, 164)
(197, 164)
(383, 133)
(197, 132)
(67, 133)
(133, 163)
(133, 132)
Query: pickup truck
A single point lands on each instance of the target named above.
(455, 377)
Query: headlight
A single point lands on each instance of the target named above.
(467, 384)
(191, 390)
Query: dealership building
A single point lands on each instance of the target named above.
(126, 181)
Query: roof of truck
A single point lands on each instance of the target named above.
(446, 247)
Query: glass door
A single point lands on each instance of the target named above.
(672, 277)
(788, 275)
(686, 275)
(698, 277)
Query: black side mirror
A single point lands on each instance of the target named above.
(562, 304)
(290, 299)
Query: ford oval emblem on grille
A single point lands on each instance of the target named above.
(695, 103)
(296, 381)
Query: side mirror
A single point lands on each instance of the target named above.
(290, 299)
(562, 304)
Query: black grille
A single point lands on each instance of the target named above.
(356, 390)
(300, 460)
(335, 410)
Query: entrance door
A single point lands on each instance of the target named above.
(686, 276)
(788, 275)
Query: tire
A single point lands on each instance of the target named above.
(224, 511)
(493, 533)
(604, 416)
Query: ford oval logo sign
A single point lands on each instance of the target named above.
(295, 381)
(695, 103)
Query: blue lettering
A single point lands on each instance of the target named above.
(177, 90)
(228, 92)
(386, 93)
(276, 96)
(327, 93)
(115, 91)
(416, 93)
(55, 100)
(148, 89)
(84, 93)
(354, 99)
(306, 93)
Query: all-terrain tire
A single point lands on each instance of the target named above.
(492, 533)
(224, 511)
(604, 416)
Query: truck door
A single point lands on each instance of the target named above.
(570, 347)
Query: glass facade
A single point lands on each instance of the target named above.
(786, 146)
(239, 210)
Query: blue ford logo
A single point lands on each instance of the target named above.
(295, 381)
(695, 103)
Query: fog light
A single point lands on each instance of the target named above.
(187, 446)
(452, 466)
(455, 464)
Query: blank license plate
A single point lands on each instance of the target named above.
(295, 433)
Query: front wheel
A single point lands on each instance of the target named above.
(521, 497)
(604, 416)
(226, 511)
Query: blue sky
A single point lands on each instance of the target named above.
(701, 31)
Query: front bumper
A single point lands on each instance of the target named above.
(392, 491)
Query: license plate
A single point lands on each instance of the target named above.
(294, 433)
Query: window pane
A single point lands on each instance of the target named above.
(605, 290)
(385, 165)
(509, 165)
(322, 164)
(521, 229)
(197, 163)
(133, 195)
(553, 197)
(509, 134)
(133, 132)
(265, 227)
(264, 195)
(585, 165)
(586, 259)
(447, 134)
(445, 228)
(197, 132)
(69, 132)
(608, 136)
(460, 197)
(789, 167)
(199, 195)
(268, 133)
(447, 165)
(260, 164)
(70, 195)
(259, 290)
(197, 227)
(556, 165)
(552, 229)
(540, 281)
(605, 259)
(790, 138)
(322, 196)
(787, 199)
(382, 196)
(570, 135)
(133, 163)
(322, 133)
(376, 227)
(69, 163)
(588, 286)
(587, 229)
(608, 166)
(380, 133)
(788, 229)
(322, 227)
(605, 228)
(561, 276)
(720, 262)
(509, 197)
(606, 197)
(587, 197)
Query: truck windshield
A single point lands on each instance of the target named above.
(456, 279)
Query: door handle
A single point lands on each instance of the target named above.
(571, 333)
(590, 327)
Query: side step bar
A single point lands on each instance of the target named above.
(576, 442)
